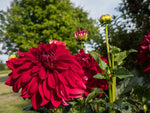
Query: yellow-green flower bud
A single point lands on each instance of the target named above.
(12, 56)
(145, 108)
(105, 19)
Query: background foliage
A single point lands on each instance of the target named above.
(28, 22)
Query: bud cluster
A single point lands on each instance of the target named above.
(80, 35)
(105, 19)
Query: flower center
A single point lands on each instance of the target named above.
(47, 60)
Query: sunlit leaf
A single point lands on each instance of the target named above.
(122, 73)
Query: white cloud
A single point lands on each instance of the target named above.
(96, 8)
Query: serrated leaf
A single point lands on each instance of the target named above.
(103, 65)
(125, 86)
(122, 73)
(113, 106)
(95, 92)
(119, 57)
(114, 49)
(99, 76)
(95, 55)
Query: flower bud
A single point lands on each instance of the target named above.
(12, 56)
(105, 19)
(80, 35)
(145, 108)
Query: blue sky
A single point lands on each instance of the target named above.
(95, 8)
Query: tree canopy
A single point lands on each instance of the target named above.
(28, 22)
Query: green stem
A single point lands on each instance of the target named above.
(81, 44)
(107, 45)
(110, 93)
(114, 83)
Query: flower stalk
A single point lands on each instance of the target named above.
(107, 45)
(106, 19)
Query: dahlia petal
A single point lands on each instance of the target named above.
(36, 100)
(26, 77)
(42, 73)
(71, 79)
(81, 84)
(44, 100)
(17, 85)
(63, 92)
(76, 91)
(147, 68)
(144, 47)
(20, 54)
(25, 93)
(47, 91)
(64, 103)
(26, 65)
(61, 77)
(56, 101)
(33, 85)
(142, 60)
(10, 63)
(51, 80)
(9, 82)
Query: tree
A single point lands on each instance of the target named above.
(28, 22)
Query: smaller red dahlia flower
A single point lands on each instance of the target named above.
(48, 75)
(91, 68)
(144, 51)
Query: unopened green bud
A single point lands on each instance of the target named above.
(12, 56)
(105, 19)
(145, 108)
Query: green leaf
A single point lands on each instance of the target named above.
(99, 76)
(114, 49)
(126, 85)
(95, 92)
(122, 73)
(119, 57)
(95, 55)
(103, 65)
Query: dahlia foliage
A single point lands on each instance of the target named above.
(144, 51)
(48, 75)
(91, 68)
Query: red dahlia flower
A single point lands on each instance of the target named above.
(91, 68)
(144, 51)
(48, 75)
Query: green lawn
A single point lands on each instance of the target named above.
(4, 71)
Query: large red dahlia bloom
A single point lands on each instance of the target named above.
(48, 75)
(144, 51)
(91, 68)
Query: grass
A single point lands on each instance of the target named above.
(11, 102)
(4, 71)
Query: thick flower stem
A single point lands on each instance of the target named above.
(81, 44)
(110, 93)
(114, 83)
(107, 45)
(112, 89)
